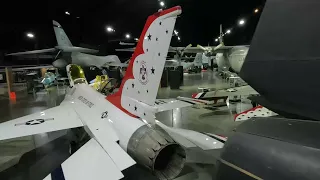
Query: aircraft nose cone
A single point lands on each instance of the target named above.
(60, 63)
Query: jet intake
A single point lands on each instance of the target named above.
(157, 151)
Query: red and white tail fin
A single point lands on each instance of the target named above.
(258, 111)
(144, 72)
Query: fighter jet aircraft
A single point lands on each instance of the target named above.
(66, 53)
(122, 126)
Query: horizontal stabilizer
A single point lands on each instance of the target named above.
(89, 162)
(169, 104)
(195, 101)
(189, 138)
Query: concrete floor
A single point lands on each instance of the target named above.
(32, 149)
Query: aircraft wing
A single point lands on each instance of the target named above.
(193, 50)
(33, 52)
(126, 49)
(169, 104)
(76, 49)
(222, 48)
(99, 155)
(243, 90)
(118, 64)
(171, 49)
(230, 47)
(89, 162)
(53, 119)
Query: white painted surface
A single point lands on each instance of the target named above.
(57, 118)
(148, 67)
(48, 177)
(100, 127)
(255, 112)
(123, 124)
(242, 90)
(169, 104)
(90, 162)
(201, 140)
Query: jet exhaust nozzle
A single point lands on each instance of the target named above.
(157, 151)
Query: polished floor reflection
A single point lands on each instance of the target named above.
(34, 152)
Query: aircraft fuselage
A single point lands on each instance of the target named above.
(233, 58)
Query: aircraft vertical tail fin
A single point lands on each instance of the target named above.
(198, 59)
(61, 36)
(142, 79)
(221, 35)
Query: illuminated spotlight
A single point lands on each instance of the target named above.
(175, 32)
(241, 22)
(30, 35)
(67, 13)
(228, 31)
(110, 29)
(179, 38)
(136, 39)
(256, 10)
(161, 3)
(216, 40)
(128, 36)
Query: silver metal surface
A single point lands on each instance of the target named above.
(157, 151)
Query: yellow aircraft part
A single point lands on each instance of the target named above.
(101, 82)
(76, 72)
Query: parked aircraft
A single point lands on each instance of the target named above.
(66, 53)
(122, 126)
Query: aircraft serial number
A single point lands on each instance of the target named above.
(85, 101)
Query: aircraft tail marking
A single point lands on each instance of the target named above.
(140, 85)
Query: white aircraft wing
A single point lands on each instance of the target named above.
(89, 162)
(53, 119)
(169, 104)
(243, 90)
(32, 52)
